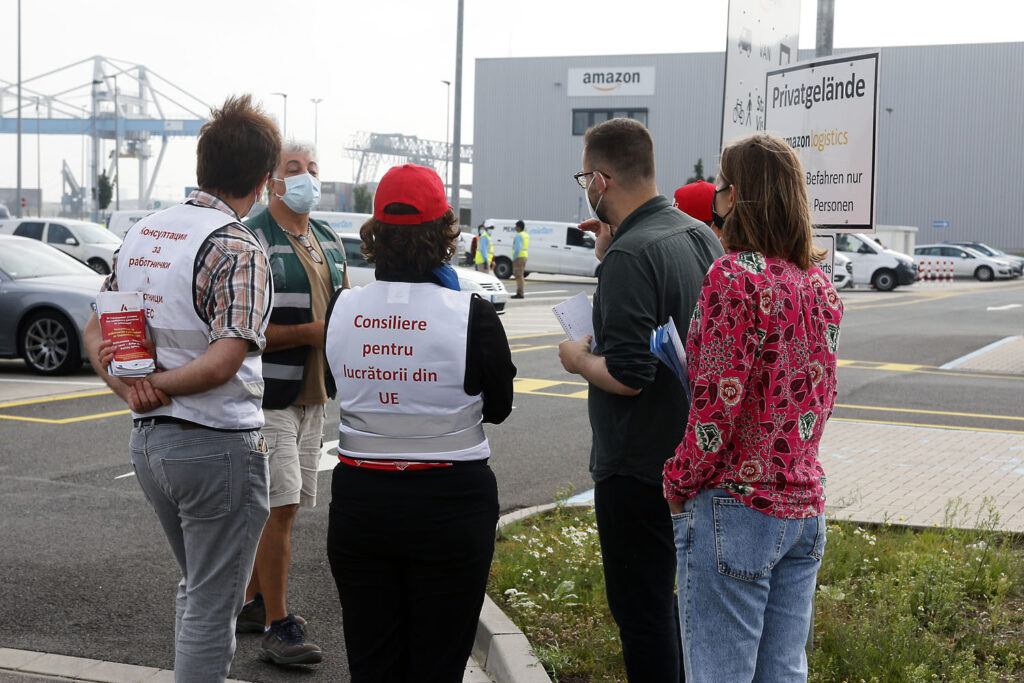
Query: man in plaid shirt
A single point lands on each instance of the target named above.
(196, 446)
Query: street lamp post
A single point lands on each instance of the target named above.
(18, 200)
(284, 96)
(117, 149)
(39, 162)
(447, 124)
(316, 118)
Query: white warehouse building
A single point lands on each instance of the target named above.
(950, 137)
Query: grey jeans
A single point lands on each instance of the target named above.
(209, 491)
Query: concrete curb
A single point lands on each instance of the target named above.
(500, 646)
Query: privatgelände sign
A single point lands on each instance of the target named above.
(827, 110)
(611, 81)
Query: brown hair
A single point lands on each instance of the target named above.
(409, 248)
(237, 147)
(623, 148)
(771, 214)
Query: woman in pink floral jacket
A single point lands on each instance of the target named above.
(745, 486)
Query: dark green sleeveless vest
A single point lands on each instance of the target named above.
(283, 370)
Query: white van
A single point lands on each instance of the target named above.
(873, 264)
(90, 243)
(341, 221)
(558, 248)
(120, 221)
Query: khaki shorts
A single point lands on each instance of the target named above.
(294, 436)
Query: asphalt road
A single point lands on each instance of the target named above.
(85, 570)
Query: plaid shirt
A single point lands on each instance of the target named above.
(231, 285)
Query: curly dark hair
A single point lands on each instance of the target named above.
(409, 248)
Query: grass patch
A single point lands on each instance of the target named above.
(893, 604)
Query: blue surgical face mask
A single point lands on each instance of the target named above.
(302, 192)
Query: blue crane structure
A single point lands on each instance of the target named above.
(149, 107)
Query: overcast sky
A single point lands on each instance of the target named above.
(379, 65)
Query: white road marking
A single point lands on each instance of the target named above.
(550, 291)
(122, 476)
(327, 461)
(1003, 308)
(973, 354)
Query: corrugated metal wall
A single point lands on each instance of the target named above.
(952, 148)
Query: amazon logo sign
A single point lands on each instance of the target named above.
(611, 81)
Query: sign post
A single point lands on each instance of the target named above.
(762, 34)
(827, 110)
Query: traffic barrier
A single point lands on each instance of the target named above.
(935, 270)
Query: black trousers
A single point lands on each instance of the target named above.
(639, 556)
(410, 553)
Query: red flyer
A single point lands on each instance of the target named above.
(123, 321)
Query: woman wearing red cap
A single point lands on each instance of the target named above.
(419, 366)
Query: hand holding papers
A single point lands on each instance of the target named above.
(576, 316)
(122, 321)
(668, 348)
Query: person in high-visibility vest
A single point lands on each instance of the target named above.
(484, 251)
(520, 245)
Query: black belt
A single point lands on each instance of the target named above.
(184, 424)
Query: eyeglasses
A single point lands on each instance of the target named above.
(580, 177)
(313, 253)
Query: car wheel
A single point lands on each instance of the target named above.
(983, 273)
(49, 344)
(502, 268)
(99, 266)
(884, 280)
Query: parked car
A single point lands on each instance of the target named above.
(966, 262)
(1016, 262)
(873, 264)
(842, 273)
(362, 273)
(90, 243)
(4, 211)
(46, 297)
(119, 221)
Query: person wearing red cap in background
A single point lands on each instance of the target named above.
(419, 367)
(695, 200)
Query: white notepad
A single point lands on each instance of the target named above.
(576, 315)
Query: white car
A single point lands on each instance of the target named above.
(842, 274)
(873, 264)
(90, 243)
(965, 261)
(362, 273)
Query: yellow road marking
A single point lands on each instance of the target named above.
(66, 420)
(929, 412)
(538, 334)
(533, 348)
(529, 386)
(924, 297)
(898, 367)
(915, 424)
(65, 397)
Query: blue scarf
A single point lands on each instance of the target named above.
(447, 276)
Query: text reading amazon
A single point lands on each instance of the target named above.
(826, 109)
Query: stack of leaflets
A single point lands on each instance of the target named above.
(123, 321)
(668, 348)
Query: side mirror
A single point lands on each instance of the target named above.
(71, 242)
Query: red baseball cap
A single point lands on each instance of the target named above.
(419, 187)
(695, 199)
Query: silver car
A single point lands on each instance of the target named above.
(46, 297)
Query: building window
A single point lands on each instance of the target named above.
(585, 118)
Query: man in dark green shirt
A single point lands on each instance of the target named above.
(652, 267)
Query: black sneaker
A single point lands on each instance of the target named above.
(253, 617)
(285, 643)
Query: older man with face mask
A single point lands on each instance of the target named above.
(308, 265)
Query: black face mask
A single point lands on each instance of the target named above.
(716, 218)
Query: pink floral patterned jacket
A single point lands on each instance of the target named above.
(761, 351)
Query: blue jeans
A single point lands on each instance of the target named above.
(746, 582)
(209, 491)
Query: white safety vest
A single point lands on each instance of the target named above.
(158, 258)
(397, 351)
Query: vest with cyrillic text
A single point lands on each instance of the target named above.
(283, 370)
(397, 351)
(158, 258)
